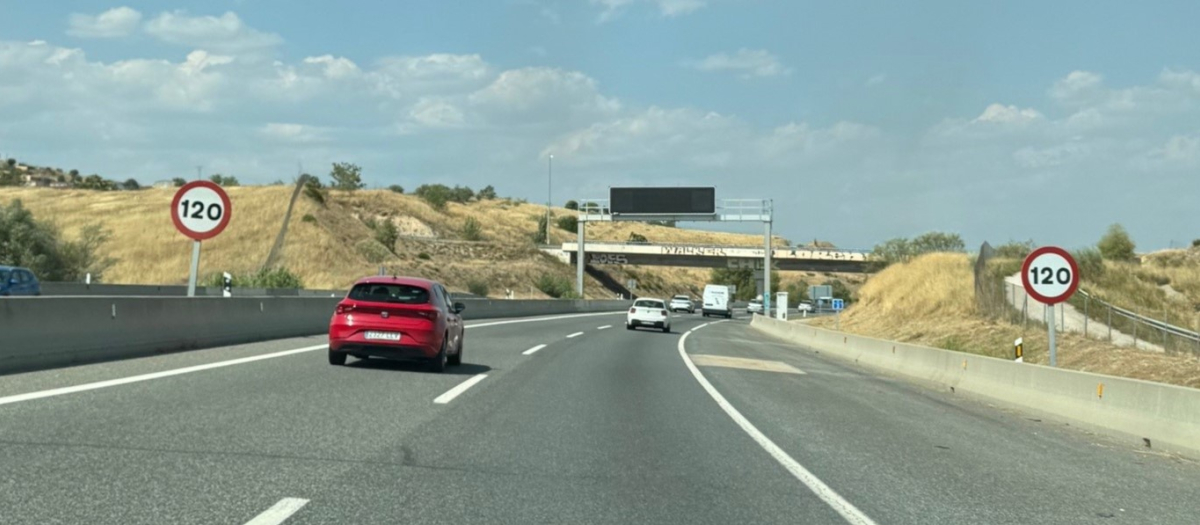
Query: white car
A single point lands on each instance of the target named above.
(683, 303)
(649, 312)
(755, 307)
(805, 306)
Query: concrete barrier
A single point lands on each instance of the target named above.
(1168, 415)
(50, 332)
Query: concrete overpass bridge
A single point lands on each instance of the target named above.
(601, 253)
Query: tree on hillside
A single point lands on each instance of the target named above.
(130, 185)
(11, 162)
(74, 174)
(487, 193)
(571, 205)
(1116, 245)
(743, 279)
(225, 181)
(178, 181)
(346, 176)
(25, 241)
(462, 194)
(396, 188)
(933, 242)
(387, 234)
(436, 195)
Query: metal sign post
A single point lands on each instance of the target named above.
(1050, 275)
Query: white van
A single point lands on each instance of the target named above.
(717, 299)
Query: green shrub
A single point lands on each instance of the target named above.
(279, 277)
(471, 231)
(308, 217)
(553, 285)
(636, 237)
(373, 251)
(571, 205)
(386, 235)
(370, 222)
(396, 188)
(487, 193)
(568, 222)
(314, 190)
(436, 195)
(1014, 249)
(1091, 264)
(479, 288)
(840, 290)
(423, 256)
(1195, 243)
(1116, 245)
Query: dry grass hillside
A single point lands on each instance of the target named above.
(930, 301)
(330, 245)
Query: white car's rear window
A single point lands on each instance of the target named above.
(648, 304)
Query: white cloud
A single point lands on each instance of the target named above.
(335, 67)
(1180, 150)
(531, 94)
(294, 133)
(435, 113)
(116, 22)
(613, 9)
(747, 63)
(1001, 114)
(875, 80)
(226, 33)
(1077, 87)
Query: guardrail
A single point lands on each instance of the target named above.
(1166, 329)
(51, 332)
(73, 289)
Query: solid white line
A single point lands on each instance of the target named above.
(532, 350)
(605, 327)
(458, 390)
(839, 504)
(146, 377)
(536, 319)
(279, 512)
(574, 335)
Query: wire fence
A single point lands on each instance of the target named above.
(1000, 299)
(1085, 314)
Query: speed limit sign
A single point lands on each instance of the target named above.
(1050, 275)
(200, 210)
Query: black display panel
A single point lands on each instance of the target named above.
(675, 201)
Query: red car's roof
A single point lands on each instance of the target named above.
(383, 279)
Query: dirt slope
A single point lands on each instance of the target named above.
(331, 245)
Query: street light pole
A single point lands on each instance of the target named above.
(549, 186)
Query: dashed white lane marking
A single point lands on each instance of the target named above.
(532, 350)
(839, 504)
(458, 390)
(279, 512)
(574, 335)
(605, 327)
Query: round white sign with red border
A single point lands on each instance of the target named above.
(201, 210)
(1050, 275)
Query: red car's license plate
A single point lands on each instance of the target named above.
(382, 336)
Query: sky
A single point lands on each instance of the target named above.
(861, 120)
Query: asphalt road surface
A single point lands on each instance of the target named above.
(714, 425)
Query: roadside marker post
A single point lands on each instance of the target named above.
(1019, 349)
(200, 211)
(1050, 275)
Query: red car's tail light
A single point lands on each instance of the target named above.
(344, 308)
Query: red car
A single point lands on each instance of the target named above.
(401, 318)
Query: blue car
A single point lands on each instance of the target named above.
(18, 281)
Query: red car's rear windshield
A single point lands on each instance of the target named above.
(389, 293)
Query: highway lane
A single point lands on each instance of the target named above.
(609, 426)
(904, 453)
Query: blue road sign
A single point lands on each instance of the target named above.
(839, 305)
